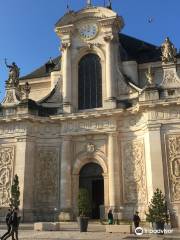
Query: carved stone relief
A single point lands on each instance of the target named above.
(87, 125)
(170, 79)
(6, 173)
(173, 144)
(164, 114)
(9, 129)
(9, 97)
(46, 183)
(134, 175)
(90, 148)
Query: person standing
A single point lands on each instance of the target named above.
(136, 220)
(110, 217)
(8, 215)
(14, 222)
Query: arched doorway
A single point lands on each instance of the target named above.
(91, 178)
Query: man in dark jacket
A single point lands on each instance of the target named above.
(136, 220)
(14, 222)
(8, 215)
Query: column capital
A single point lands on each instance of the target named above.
(66, 138)
(153, 127)
(112, 134)
(65, 46)
(108, 38)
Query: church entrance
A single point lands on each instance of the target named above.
(91, 178)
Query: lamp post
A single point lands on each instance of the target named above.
(55, 211)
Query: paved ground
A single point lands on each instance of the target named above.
(95, 232)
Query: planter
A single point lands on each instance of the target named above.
(160, 227)
(47, 226)
(119, 229)
(83, 223)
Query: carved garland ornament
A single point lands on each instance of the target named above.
(134, 172)
(6, 173)
(174, 166)
(46, 177)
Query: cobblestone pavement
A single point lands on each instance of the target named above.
(95, 232)
(75, 235)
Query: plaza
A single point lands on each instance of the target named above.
(70, 231)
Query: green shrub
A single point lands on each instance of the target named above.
(157, 208)
(84, 203)
(15, 193)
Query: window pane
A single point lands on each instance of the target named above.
(90, 82)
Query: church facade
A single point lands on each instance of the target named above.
(104, 115)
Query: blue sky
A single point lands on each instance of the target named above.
(27, 27)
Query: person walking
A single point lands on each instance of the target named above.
(136, 220)
(110, 217)
(14, 222)
(8, 215)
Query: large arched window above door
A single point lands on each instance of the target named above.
(90, 82)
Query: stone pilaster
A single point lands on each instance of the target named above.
(28, 181)
(19, 168)
(66, 70)
(66, 181)
(106, 189)
(113, 168)
(154, 162)
(110, 86)
(24, 165)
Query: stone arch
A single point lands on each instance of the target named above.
(85, 158)
(86, 50)
(81, 160)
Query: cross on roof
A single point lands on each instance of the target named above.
(89, 3)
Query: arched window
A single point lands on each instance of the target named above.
(90, 82)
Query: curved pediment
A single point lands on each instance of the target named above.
(97, 13)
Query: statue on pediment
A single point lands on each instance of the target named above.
(150, 76)
(169, 52)
(14, 71)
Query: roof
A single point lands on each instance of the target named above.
(45, 70)
(130, 49)
(138, 50)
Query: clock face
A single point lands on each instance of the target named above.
(88, 31)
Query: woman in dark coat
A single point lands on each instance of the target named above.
(110, 217)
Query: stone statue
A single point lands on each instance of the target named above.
(168, 52)
(13, 79)
(27, 90)
(150, 76)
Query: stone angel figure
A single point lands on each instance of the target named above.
(150, 76)
(168, 52)
(14, 72)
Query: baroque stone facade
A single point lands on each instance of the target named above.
(94, 107)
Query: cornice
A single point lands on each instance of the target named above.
(23, 117)
(88, 115)
(159, 103)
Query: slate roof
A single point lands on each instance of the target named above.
(130, 49)
(138, 50)
(44, 70)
